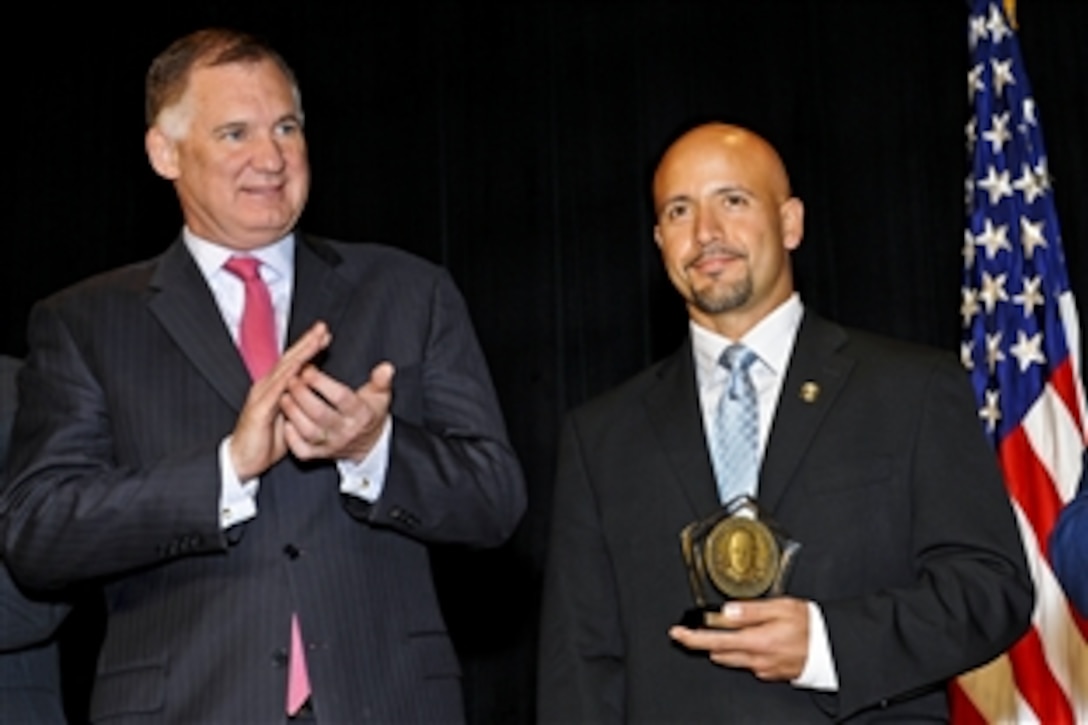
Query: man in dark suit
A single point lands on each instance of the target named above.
(29, 660)
(1069, 549)
(247, 532)
(910, 568)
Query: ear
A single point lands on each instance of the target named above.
(657, 236)
(792, 216)
(162, 152)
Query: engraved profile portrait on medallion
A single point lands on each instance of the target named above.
(742, 558)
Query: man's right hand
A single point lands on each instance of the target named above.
(257, 441)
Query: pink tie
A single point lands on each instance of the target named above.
(257, 333)
(298, 679)
(257, 342)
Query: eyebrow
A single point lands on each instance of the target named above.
(717, 191)
(230, 125)
(292, 116)
(734, 189)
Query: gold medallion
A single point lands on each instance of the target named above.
(734, 553)
(742, 557)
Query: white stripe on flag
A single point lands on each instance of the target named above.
(991, 690)
(1057, 442)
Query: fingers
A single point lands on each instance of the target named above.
(257, 441)
(313, 341)
(768, 637)
(729, 648)
(381, 378)
(311, 406)
(327, 419)
(265, 392)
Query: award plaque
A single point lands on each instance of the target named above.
(734, 554)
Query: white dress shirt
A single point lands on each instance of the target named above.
(238, 499)
(772, 341)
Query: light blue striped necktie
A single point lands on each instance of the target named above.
(734, 443)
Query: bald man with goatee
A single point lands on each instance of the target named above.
(867, 453)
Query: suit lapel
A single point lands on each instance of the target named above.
(321, 288)
(185, 307)
(816, 375)
(673, 410)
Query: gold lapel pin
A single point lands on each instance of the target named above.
(810, 391)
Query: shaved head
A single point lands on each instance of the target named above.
(745, 146)
(726, 222)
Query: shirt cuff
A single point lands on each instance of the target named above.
(819, 671)
(366, 479)
(237, 499)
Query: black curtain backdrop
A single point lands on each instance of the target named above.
(513, 143)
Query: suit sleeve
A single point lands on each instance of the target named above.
(453, 476)
(1069, 549)
(72, 513)
(581, 654)
(971, 597)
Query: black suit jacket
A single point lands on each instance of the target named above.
(909, 543)
(131, 383)
(30, 688)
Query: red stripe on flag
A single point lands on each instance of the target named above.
(1067, 387)
(1030, 485)
(961, 708)
(1036, 683)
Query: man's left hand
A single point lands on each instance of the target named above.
(767, 636)
(326, 419)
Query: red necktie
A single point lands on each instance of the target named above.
(257, 342)
(257, 333)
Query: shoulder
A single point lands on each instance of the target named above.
(618, 400)
(131, 278)
(364, 256)
(8, 367)
(896, 351)
(875, 353)
(107, 299)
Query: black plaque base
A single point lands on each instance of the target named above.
(695, 618)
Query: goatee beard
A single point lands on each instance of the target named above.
(713, 301)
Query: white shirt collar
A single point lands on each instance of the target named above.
(277, 258)
(771, 340)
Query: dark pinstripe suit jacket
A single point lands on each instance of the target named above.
(908, 540)
(132, 380)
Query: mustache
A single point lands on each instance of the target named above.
(718, 249)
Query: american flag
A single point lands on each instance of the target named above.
(1021, 345)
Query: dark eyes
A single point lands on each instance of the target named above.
(283, 129)
(682, 210)
(233, 133)
(675, 211)
(288, 128)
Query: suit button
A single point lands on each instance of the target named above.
(405, 517)
(292, 552)
(279, 658)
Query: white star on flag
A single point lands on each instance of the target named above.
(996, 184)
(1028, 185)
